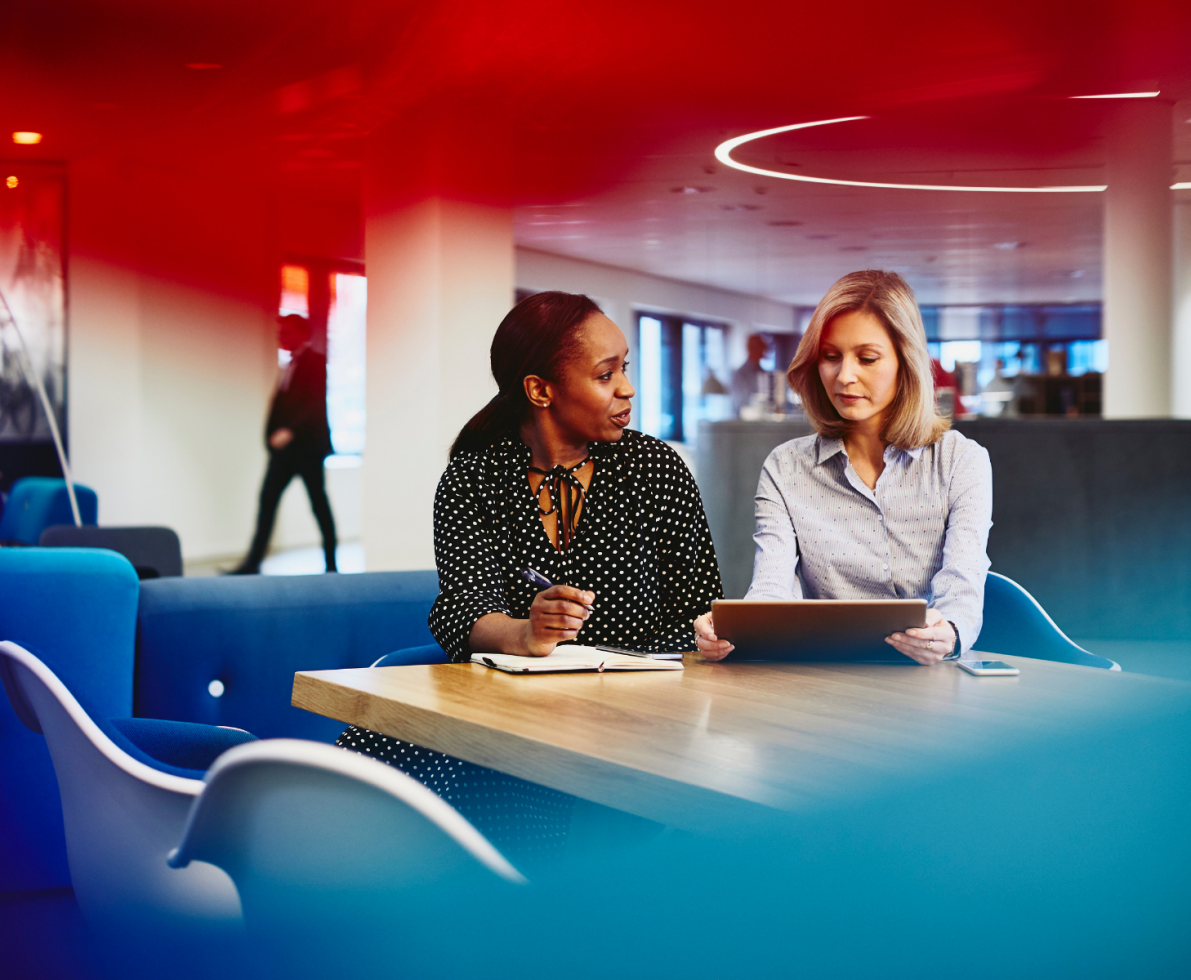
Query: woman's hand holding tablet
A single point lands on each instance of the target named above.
(710, 646)
(927, 646)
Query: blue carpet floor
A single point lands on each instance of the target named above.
(43, 937)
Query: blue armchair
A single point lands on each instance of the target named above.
(75, 609)
(196, 652)
(37, 502)
(1016, 624)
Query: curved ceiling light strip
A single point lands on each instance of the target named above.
(723, 153)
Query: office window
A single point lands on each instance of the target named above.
(951, 351)
(1087, 355)
(346, 345)
(295, 290)
(1029, 341)
(295, 298)
(782, 347)
(649, 371)
(682, 375)
(335, 301)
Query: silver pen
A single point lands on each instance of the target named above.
(534, 577)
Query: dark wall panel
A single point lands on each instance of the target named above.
(1094, 518)
(728, 460)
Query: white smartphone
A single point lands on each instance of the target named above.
(988, 668)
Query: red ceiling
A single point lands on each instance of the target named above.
(594, 93)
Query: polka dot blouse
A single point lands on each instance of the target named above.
(526, 822)
(642, 546)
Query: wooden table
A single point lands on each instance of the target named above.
(718, 744)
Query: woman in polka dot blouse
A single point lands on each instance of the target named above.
(884, 502)
(547, 476)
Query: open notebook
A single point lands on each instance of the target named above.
(569, 658)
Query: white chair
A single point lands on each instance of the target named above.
(302, 827)
(122, 817)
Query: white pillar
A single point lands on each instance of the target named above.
(1138, 262)
(1181, 361)
(439, 256)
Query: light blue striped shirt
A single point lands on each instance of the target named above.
(922, 533)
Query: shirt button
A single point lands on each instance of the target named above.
(884, 568)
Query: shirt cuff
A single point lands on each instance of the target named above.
(958, 648)
(463, 611)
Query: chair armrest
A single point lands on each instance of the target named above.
(432, 653)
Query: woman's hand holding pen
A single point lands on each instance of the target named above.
(557, 614)
(710, 646)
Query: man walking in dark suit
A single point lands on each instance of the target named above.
(298, 439)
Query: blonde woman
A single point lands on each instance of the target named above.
(885, 502)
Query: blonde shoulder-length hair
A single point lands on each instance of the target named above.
(913, 420)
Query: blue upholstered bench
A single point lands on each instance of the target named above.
(224, 650)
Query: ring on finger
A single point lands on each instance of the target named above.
(930, 644)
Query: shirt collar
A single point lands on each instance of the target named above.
(826, 448)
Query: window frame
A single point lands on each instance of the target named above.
(672, 367)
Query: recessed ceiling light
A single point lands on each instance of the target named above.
(203, 65)
(691, 190)
(26, 139)
(11, 183)
(1119, 95)
(1007, 246)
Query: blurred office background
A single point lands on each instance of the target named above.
(401, 173)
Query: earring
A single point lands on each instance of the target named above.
(545, 404)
